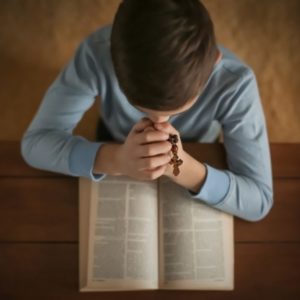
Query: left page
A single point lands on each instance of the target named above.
(122, 245)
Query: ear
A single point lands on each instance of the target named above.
(219, 57)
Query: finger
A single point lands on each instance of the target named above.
(150, 136)
(156, 173)
(141, 125)
(154, 149)
(153, 162)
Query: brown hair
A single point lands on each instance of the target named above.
(163, 51)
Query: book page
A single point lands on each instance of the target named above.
(123, 250)
(196, 242)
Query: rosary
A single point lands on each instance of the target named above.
(175, 161)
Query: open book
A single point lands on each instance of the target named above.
(141, 235)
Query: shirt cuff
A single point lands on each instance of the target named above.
(214, 188)
(82, 159)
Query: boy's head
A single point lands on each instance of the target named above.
(163, 51)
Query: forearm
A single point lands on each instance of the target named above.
(246, 198)
(236, 195)
(58, 151)
(106, 161)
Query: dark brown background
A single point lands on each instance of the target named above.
(38, 36)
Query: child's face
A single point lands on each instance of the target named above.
(163, 116)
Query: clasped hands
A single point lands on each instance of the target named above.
(146, 152)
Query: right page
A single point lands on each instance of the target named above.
(196, 244)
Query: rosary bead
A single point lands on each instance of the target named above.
(175, 161)
(174, 148)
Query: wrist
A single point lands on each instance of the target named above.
(192, 173)
(107, 159)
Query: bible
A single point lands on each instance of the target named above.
(147, 235)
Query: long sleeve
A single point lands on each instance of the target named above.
(48, 142)
(246, 188)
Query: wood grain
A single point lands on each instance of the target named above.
(283, 220)
(46, 209)
(13, 164)
(39, 234)
(38, 209)
(50, 271)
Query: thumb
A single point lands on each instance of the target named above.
(141, 125)
(149, 128)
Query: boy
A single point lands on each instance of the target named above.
(159, 71)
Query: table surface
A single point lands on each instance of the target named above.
(39, 234)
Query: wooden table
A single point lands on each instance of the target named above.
(39, 234)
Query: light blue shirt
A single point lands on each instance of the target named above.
(230, 101)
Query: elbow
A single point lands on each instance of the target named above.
(265, 207)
